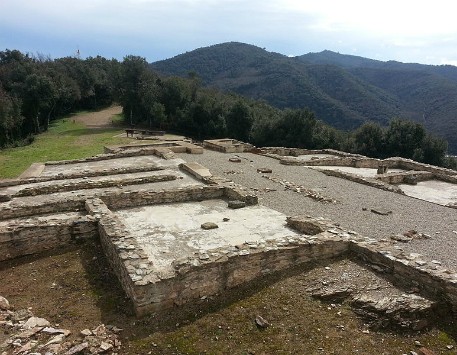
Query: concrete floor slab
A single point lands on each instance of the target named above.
(435, 191)
(169, 232)
(364, 172)
(144, 160)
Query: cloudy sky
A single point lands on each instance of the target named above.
(403, 30)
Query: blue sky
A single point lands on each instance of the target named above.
(403, 30)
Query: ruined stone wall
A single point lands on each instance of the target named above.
(17, 209)
(115, 200)
(218, 270)
(143, 198)
(30, 236)
(79, 174)
(337, 161)
(411, 271)
(295, 152)
(407, 177)
(407, 164)
(91, 184)
(125, 257)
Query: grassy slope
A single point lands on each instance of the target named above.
(63, 140)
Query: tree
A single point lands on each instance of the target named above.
(369, 140)
(239, 121)
(403, 138)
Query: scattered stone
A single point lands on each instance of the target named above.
(261, 322)
(104, 346)
(225, 219)
(236, 204)
(29, 332)
(33, 322)
(425, 351)
(58, 339)
(49, 330)
(85, 332)
(77, 349)
(4, 304)
(209, 225)
(382, 213)
(264, 170)
(449, 347)
(5, 198)
(401, 238)
(235, 160)
(21, 314)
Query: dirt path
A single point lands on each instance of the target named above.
(99, 119)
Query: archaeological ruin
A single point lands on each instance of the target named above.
(180, 221)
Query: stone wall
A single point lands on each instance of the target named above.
(172, 146)
(355, 162)
(407, 177)
(91, 184)
(227, 145)
(408, 164)
(30, 236)
(115, 199)
(79, 174)
(363, 180)
(409, 271)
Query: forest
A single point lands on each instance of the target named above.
(35, 90)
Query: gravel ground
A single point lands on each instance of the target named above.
(353, 207)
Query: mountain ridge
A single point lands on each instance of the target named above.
(343, 90)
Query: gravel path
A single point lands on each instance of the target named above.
(353, 207)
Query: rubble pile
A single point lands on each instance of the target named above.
(23, 333)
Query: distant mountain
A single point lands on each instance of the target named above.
(342, 90)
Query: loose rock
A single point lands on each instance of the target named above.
(261, 322)
(209, 225)
(33, 322)
(4, 304)
(236, 204)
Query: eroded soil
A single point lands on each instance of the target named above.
(75, 289)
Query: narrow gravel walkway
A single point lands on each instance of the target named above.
(354, 203)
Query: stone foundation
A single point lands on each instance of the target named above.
(227, 145)
(29, 236)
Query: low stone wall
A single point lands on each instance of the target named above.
(408, 164)
(92, 184)
(407, 177)
(31, 236)
(116, 155)
(363, 180)
(409, 271)
(281, 152)
(181, 194)
(79, 174)
(227, 145)
(17, 209)
(350, 161)
(173, 146)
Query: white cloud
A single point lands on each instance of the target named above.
(162, 28)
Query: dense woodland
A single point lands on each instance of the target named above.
(342, 90)
(36, 90)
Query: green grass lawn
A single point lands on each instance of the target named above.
(64, 140)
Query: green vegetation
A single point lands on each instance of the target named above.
(34, 93)
(64, 140)
(344, 91)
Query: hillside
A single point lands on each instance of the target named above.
(342, 90)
